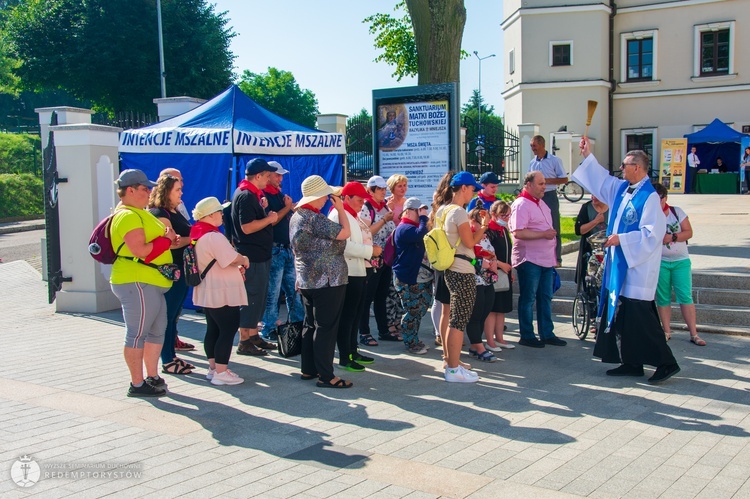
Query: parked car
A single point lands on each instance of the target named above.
(359, 165)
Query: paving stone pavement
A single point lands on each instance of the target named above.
(540, 422)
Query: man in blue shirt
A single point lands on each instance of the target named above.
(552, 168)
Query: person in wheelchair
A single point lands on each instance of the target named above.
(591, 218)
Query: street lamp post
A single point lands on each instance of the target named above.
(479, 110)
(161, 51)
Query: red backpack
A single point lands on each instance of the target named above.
(100, 243)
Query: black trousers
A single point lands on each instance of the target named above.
(221, 326)
(322, 314)
(482, 308)
(377, 287)
(350, 316)
(636, 336)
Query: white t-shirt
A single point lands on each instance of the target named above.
(673, 252)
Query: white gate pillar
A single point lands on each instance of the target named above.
(525, 132)
(87, 157)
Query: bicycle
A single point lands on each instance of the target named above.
(586, 303)
(572, 191)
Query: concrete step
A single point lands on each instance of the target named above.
(710, 318)
(722, 297)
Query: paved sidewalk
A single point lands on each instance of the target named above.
(541, 423)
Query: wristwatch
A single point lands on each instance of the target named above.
(674, 238)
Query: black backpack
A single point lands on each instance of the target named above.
(193, 275)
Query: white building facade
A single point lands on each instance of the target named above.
(658, 69)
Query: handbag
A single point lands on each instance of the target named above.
(290, 339)
(502, 283)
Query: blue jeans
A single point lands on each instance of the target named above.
(282, 276)
(535, 283)
(174, 297)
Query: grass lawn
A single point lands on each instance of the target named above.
(567, 229)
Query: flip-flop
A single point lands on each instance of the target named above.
(697, 341)
(341, 383)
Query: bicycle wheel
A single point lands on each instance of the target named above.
(573, 192)
(581, 317)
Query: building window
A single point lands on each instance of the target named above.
(640, 59)
(715, 52)
(512, 61)
(643, 140)
(714, 49)
(561, 53)
(639, 52)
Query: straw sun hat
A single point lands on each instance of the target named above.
(314, 187)
(207, 206)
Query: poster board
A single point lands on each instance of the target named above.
(672, 164)
(415, 133)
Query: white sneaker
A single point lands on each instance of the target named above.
(226, 378)
(210, 374)
(460, 375)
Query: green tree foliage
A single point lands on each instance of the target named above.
(21, 195)
(395, 37)
(424, 41)
(279, 92)
(106, 51)
(20, 153)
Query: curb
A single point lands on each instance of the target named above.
(11, 228)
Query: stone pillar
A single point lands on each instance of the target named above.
(335, 123)
(87, 156)
(169, 107)
(65, 116)
(525, 132)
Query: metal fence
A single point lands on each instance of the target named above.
(491, 149)
(124, 119)
(359, 158)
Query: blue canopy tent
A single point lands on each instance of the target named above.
(211, 144)
(717, 140)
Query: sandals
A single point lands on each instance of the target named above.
(261, 343)
(184, 363)
(308, 377)
(697, 341)
(390, 336)
(367, 340)
(175, 367)
(181, 346)
(486, 356)
(341, 383)
(247, 348)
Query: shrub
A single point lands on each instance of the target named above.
(20, 153)
(21, 195)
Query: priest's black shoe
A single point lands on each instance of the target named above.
(626, 370)
(663, 373)
(555, 341)
(531, 342)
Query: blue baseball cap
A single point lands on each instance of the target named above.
(465, 178)
(489, 178)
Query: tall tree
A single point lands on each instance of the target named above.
(437, 31)
(279, 92)
(476, 101)
(106, 51)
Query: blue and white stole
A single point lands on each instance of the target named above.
(616, 266)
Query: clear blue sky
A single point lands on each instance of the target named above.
(330, 51)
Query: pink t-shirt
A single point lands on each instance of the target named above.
(223, 285)
(525, 214)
